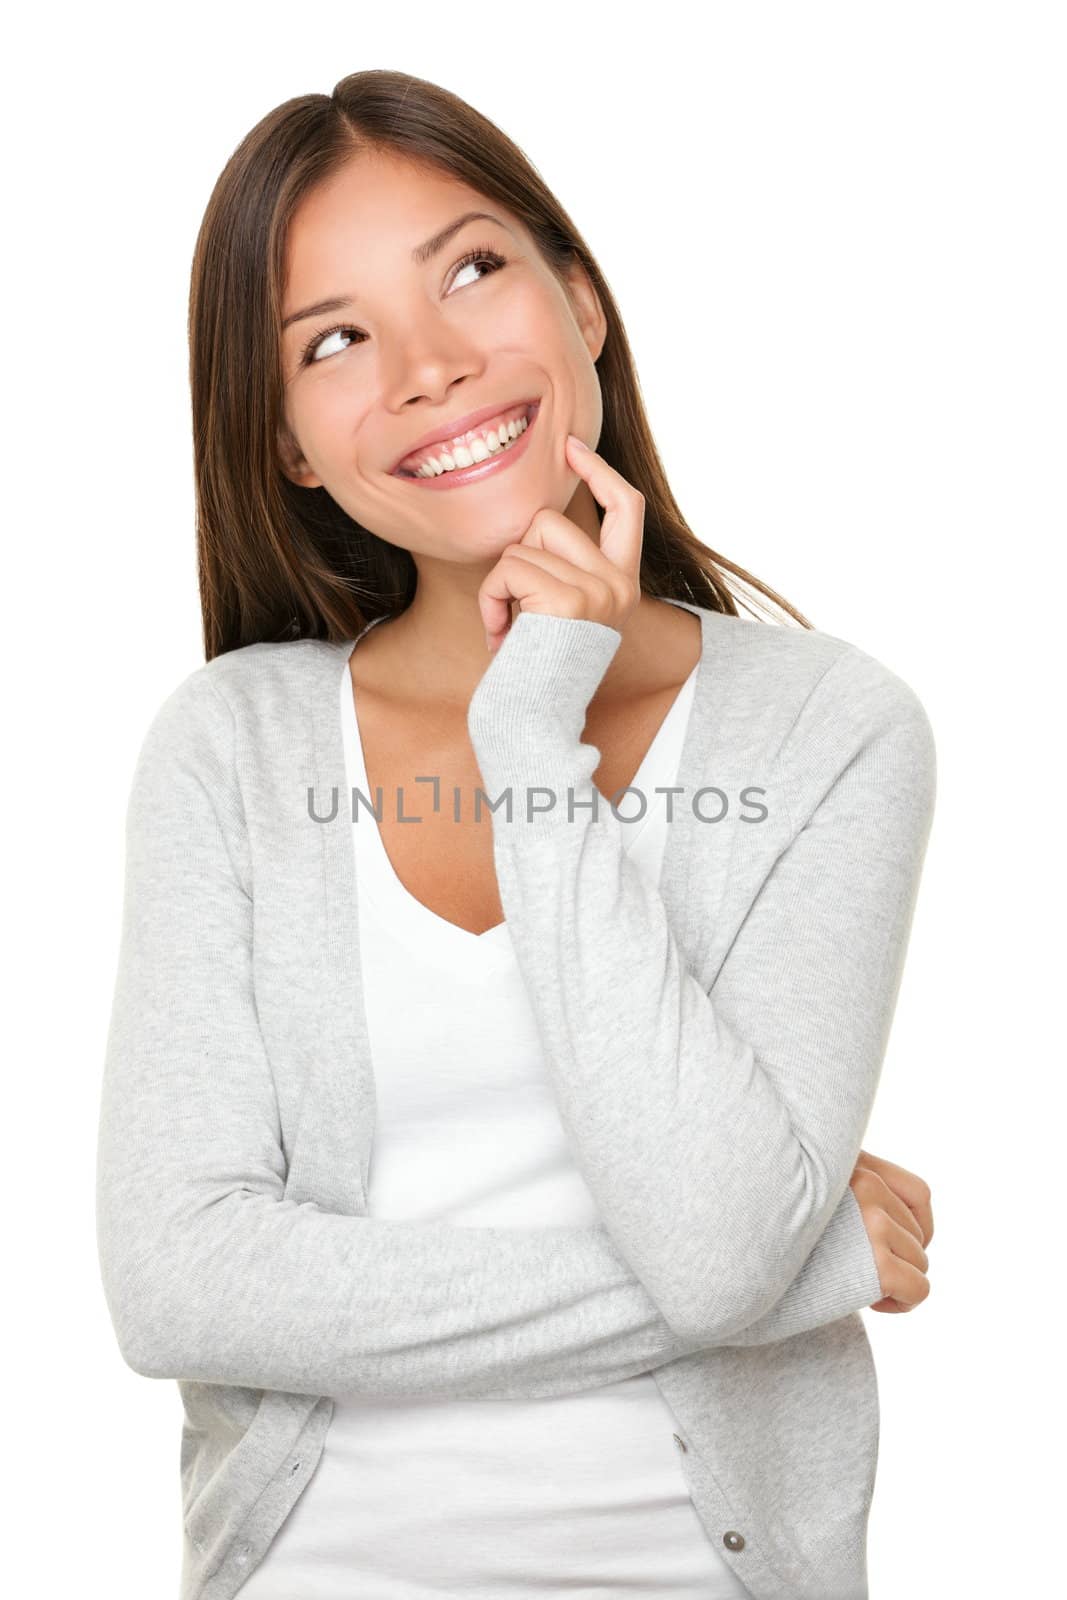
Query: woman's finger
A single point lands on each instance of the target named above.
(599, 584)
(551, 530)
(904, 1245)
(902, 1261)
(875, 1195)
(900, 1211)
(904, 1284)
(523, 579)
(910, 1188)
(595, 590)
(623, 524)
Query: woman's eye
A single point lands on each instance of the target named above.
(317, 350)
(312, 351)
(482, 258)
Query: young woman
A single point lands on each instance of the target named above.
(486, 1168)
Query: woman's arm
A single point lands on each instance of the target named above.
(717, 1132)
(211, 1275)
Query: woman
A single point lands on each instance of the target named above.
(493, 1187)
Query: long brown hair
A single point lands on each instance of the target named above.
(277, 561)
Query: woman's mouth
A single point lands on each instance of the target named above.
(478, 454)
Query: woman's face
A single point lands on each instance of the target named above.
(423, 343)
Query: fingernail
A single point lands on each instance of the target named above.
(573, 437)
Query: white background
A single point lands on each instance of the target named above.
(836, 233)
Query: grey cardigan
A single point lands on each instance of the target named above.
(714, 1044)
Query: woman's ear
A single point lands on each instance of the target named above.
(293, 463)
(588, 312)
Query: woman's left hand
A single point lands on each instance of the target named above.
(557, 569)
(897, 1212)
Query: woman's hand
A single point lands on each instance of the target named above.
(897, 1214)
(557, 569)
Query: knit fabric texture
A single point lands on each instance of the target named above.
(714, 1042)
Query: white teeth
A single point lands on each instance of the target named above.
(478, 449)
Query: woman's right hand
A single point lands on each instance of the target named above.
(899, 1220)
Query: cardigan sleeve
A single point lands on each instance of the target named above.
(210, 1274)
(717, 1131)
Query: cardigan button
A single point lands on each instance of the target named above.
(733, 1541)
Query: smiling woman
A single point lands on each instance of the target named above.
(494, 1190)
(390, 234)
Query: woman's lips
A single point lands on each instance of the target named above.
(479, 424)
(480, 469)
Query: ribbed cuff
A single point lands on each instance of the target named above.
(841, 1275)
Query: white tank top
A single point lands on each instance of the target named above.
(419, 1499)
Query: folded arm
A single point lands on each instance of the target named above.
(212, 1275)
(717, 1132)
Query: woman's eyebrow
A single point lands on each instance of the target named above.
(420, 255)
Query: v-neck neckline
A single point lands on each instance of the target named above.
(383, 887)
(347, 1078)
